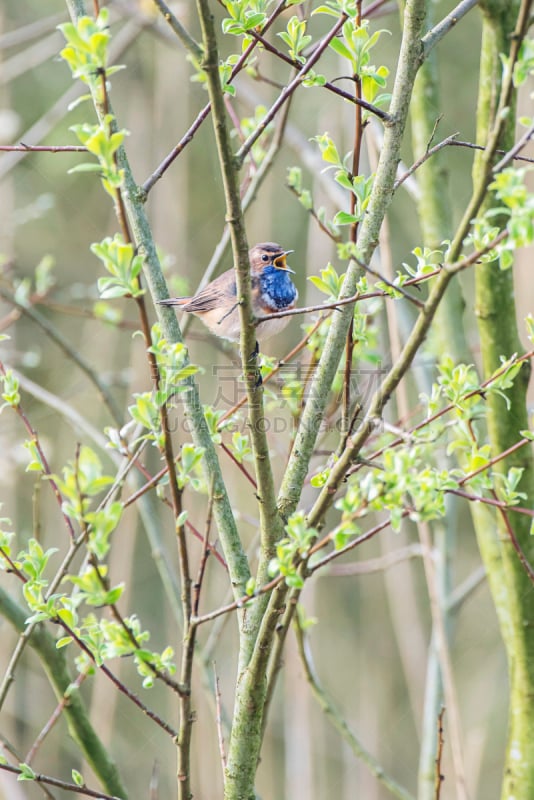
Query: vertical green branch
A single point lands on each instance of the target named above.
(270, 522)
(133, 200)
(496, 317)
(408, 64)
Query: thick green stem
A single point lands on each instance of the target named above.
(409, 61)
(222, 510)
(249, 708)
(271, 528)
(495, 309)
(252, 687)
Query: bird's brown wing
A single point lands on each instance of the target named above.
(214, 295)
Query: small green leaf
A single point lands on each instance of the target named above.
(325, 10)
(77, 778)
(114, 595)
(26, 773)
(343, 218)
(79, 100)
(85, 167)
(181, 519)
(63, 642)
(341, 49)
(294, 581)
(67, 616)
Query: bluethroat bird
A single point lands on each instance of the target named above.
(272, 290)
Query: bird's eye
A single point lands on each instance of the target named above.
(265, 258)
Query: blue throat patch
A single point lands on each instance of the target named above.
(276, 288)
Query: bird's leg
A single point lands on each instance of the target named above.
(252, 357)
(255, 352)
(228, 314)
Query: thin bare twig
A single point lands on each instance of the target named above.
(42, 148)
(343, 301)
(473, 146)
(453, 141)
(515, 150)
(220, 734)
(339, 723)
(428, 154)
(181, 32)
(443, 27)
(438, 783)
(313, 213)
(399, 289)
(500, 504)
(515, 542)
(239, 465)
(197, 586)
(465, 589)
(373, 565)
(6, 745)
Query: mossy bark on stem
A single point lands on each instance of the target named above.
(512, 590)
(408, 64)
(252, 691)
(222, 511)
(249, 708)
(271, 528)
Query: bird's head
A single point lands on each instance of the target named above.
(269, 254)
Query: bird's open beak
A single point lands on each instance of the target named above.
(280, 262)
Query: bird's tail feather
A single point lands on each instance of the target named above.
(174, 301)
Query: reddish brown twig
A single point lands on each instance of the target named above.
(197, 586)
